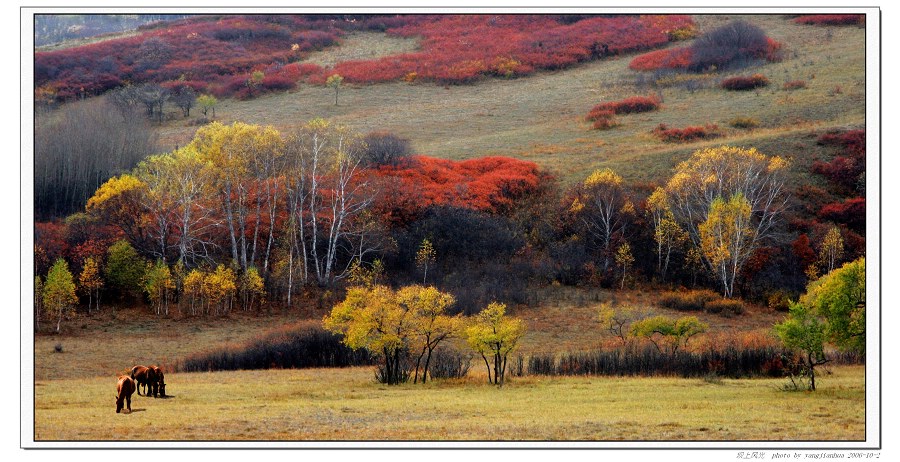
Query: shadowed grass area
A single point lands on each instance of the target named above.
(329, 404)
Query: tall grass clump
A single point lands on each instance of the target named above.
(645, 360)
(291, 347)
(686, 134)
(743, 83)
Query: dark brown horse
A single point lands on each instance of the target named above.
(124, 389)
(160, 386)
(145, 376)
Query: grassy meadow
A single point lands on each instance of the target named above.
(346, 404)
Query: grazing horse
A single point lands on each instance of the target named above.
(160, 386)
(124, 389)
(145, 376)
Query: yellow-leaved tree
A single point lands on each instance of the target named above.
(192, 287)
(373, 318)
(721, 174)
(90, 281)
(832, 250)
(157, 283)
(667, 234)
(59, 292)
(604, 208)
(431, 323)
(726, 238)
(252, 288)
(493, 334)
(219, 288)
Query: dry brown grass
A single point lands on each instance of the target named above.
(346, 404)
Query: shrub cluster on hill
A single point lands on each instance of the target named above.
(210, 51)
(460, 49)
(733, 45)
(223, 55)
(831, 19)
(603, 114)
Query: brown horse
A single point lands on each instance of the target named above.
(145, 376)
(124, 389)
(160, 386)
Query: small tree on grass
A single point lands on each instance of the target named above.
(372, 318)
(803, 330)
(493, 334)
(334, 81)
(615, 321)
(431, 323)
(207, 103)
(59, 292)
(840, 298)
(666, 334)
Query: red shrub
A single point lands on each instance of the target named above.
(832, 19)
(672, 58)
(490, 184)
(803, 251)
(745, 83)
(632, 105)
(686, 134)
(844, 170)
(851, 212)
(603, 120)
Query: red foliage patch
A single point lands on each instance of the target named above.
(455, 49)
(203, 50)
(490, 184)
(463, 48)
(686, 134)
(672, 58)
(632, 105)
(851, 212)
(745, 83)
(832, 19)
(683, 58)
(844, 170)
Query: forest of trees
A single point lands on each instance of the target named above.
(267, 214)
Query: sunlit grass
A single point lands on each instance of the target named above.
(327, 404)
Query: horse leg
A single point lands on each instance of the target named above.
(128, 400)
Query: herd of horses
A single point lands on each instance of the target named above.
(150, 378)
